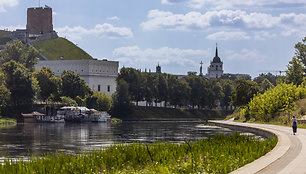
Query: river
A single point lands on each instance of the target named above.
(24, 140)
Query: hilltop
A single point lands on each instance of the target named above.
(53, 49)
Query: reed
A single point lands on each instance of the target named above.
(215, 154)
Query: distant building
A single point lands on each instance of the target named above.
(39, 26)
(158, 69)
(215, 70)
(100, 75)
(39, 20)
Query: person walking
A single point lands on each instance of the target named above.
(294, 124)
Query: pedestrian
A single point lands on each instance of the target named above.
(294, 124)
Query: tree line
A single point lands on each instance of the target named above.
(191, 91)
(21, 86)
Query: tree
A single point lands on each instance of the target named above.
(198, 91)
(300, 52)
(48, 83)
(265, 85)
(67, 101)
(21, 53)
(214, 93)
(162, 89)
(244, 90)
(73, 85)
(5, 93)
(121, 100)
(135, 82)
(295, 71)
(99, 101)
(179, 91)
(150, 87)
(272, 78)
(227, 89)
(19, 82)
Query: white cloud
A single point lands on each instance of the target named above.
(7, 3)
(236, 4)
(226, 20)
(102, 30)
(12, 28)
(245, 55)
(229, 35)
(113, 18)
(135, 56)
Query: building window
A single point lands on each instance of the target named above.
(99, 88)
(108, 88)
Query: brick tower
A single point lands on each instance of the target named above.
(39, 20)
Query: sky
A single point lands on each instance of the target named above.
(253, 36)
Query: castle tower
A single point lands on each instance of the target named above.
(215, 70)
(39, 20)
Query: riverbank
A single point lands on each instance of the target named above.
(218, 154)
(7, 121)
(142, 113)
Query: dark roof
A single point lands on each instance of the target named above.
(216, 58)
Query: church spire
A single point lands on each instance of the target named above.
(216, 50)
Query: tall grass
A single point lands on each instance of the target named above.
(218, 154)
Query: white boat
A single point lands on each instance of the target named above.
(100, 117)
(58, 119)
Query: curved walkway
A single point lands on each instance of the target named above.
(289, 155)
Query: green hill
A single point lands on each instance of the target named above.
(55, 48)
(4, 37)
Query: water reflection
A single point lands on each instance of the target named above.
(28, 139)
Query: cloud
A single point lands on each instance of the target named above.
(226, 20)
(237, 4)
(136, 57)
(245, 55)
(229, 35)
(113, 18)
(7, 3)
(102, 30)
(12, 28)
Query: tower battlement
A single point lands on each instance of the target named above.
(39, 20)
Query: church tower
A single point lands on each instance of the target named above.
(215, 70)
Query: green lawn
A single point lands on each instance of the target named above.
(55, 48)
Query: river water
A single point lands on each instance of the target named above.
(24, 140)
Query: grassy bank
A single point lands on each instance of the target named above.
(158, 113)
(6, 121)
(218, 154)
(55, 48)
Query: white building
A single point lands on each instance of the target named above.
(100, 75)
(215, 70)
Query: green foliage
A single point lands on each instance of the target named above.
(73, 85)
(21, 53)
(121, 99)
(99, 101)
(263, 107)
(67, 101)
(20, 83)
(269, 76)
(300, 52)
(295, 71)
(265, 85)
(218, 154)
(55, 48)
(244, 90)
(48, 83)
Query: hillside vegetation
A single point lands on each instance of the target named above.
(4, 37)
(276, 104)
(55, 48)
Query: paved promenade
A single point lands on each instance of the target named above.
(289, 155)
